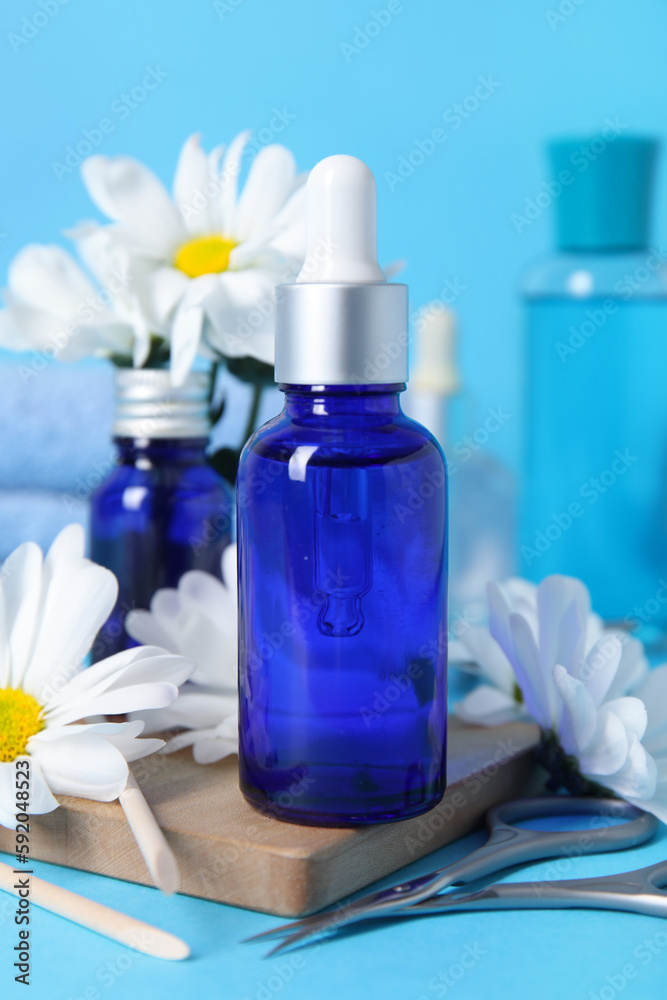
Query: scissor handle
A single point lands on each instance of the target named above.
(509, 845)
(639, 891)
(637, 828)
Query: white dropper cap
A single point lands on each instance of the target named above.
(341, 223)
(341, 322)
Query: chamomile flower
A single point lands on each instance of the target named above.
(50, 611)
(499, 698)
(205, 262)
(199, 621)
(57, 309)
(602, 713)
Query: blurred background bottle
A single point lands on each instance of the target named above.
(595, 484)
(482, 490)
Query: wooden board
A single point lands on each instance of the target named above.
(229, 852)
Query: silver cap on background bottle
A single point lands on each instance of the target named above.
(341, 323)
(149, 406)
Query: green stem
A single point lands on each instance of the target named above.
(257, 391)
(215, 366)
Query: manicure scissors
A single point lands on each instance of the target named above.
(615, 826)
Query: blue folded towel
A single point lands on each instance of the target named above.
(55, 424)
(35, 516)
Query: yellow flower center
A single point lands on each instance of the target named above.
(20, 718)
(205, 255)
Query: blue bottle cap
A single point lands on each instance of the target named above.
(602, 188)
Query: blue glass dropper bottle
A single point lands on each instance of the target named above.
(342, 506)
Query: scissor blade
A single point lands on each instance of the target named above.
(275, 932)
(319, 923)
(293, 939)
(313, 926)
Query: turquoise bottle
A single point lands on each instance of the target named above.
(595, 470)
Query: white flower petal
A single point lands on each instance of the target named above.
(487, 706)
(161, 291)
(225, 203)
(41, 800)
(608, 749)
(197, 620)
(85, 765)
(22, 584)
(49, 279)
(12, 337)
(270, 182)
(188, 739)
(195, 708)
(631, 712)
(58, 732)
(187, 325)
(141, 343)
(105, 256)
(77, 602)
(637, 778)
(192, 175)
(600, 666)
(127, 192)
(143, 665)
(229, 566)
(41, 797)
(30, 329)
(529, 677)
(121, 735)
(241, 314)
(555, 594)
(209, 643)
(145, 628)
(133, 698)
(206, 593)
(653, 692)
(126, 742)
(69, 545)
(5, 659)
(580, 711)
(211, 751)
(485, 651)
(499, 618)
(185, 337)
(214, 160)
(571, 645)
(208, 745)
(656, 803)
(99, 676)
(632, 669)
(54, 307)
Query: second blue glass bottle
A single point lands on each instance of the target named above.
(163, 510)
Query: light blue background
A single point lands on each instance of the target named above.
(451, 221)
(229, 68)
